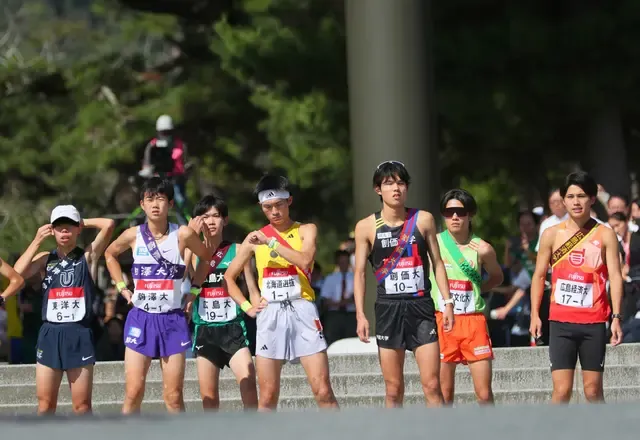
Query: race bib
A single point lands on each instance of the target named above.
(280, 284)
(407, 277)
(66, 304)
(215, 305)
(574, 292)
(462, 294)
(154, 296)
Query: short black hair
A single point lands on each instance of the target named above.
(341, 253)
(619, 196)
(156, 186)
(211, 201)
(620, 216)
(272, 181)
(580, 179)
(461, 195)
(553, 191)
(391, 168)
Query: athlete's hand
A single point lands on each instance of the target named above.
(616, 332)
(257, 237)
(197, 224)
(536, 327)
(126, 294)
(257, 308)
(42, 233)
(447, 318)
(188, 305)
(362, 329)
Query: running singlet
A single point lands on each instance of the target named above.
(68, 289)
(278, 279)
(578, 283)
(214, 306)
(407, 280)
(157, 280)
(465, 293)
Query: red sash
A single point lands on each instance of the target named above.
(271, 232)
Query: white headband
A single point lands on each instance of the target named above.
(272, 194)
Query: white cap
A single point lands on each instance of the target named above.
(164, 123)
(65, 211)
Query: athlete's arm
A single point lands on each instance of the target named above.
(191, 241)
(428, 228)
(30, 264)
(490, 263)
(105, 227)
(243, 256)
(15, 280)
(249, 279)
(540, 272)
(612, 257)
(363, 249)
(305, 257)
(122, 243)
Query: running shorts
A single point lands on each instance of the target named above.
(218, 343)
(65, 346)
(569, 342)
(405, 323)
(157, 334)
(468, 340)
(289, 330)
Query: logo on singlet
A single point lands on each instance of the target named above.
(142, 251)
(576, 258)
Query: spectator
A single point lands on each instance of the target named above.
(558, 214)
(522, 248)
(337, 301)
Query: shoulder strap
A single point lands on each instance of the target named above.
(573, 241)
(220, 253)
(456, 254)
(407, 231)
(271, 232)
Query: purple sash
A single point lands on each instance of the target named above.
(166, 270)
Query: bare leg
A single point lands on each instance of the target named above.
(47, 387)
(136, 367)
(448, 381)
(242, 366)
(482, 373)
(317, 368)
(81, 386)
(269, 371)
(392, 365)
(208, 378)
(562, 385)
(428, 359)
(173, 381)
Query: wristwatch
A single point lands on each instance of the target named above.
(616, 315)
(448, 301)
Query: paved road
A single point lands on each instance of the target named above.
(579, 422)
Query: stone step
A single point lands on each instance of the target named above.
(344, 385)
(612, 395)
(521, 357)
(296, 402)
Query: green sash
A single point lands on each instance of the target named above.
(462, 262)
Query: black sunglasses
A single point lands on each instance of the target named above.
(460, 212)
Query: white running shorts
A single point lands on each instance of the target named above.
(289, 330)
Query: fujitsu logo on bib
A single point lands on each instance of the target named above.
(576, 277)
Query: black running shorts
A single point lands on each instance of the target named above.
(405, 323)
(569, 342)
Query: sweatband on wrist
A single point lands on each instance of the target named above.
(245, 306)
(195, 290)
(121, 286)
(273, 243)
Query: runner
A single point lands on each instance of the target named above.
(221, 334)
(464, 255)
(398, 242)
(65, 341)
(288, 326)
(583, 255)
(156, 327)
(16, 282)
